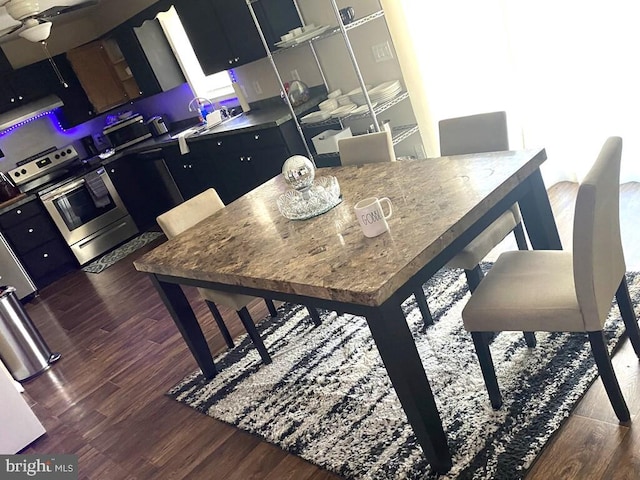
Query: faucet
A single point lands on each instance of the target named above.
(199, 104)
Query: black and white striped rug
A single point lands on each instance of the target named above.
(327, 398)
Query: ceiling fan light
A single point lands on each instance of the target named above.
(37, 33)
(21, 9)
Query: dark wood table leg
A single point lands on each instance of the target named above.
(400, 356)
(174, 299)
(538, 216)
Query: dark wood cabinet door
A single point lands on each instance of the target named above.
(77, 108)
(205, 33)
(241, 32)
(276, 17)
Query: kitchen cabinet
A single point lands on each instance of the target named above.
(37, 242)
(194, 172)
(233, 163)
(77, 108)
(276, 17)
(104, 74)
(145, 186)
(26, 84)
(222, 33)
(150, 58)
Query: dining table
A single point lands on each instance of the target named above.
(439, 205)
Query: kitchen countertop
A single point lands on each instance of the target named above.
(267, 116)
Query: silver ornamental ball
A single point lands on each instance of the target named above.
(299, 172)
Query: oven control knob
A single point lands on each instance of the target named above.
(56, 156)
(69, 151)
(63, 153)
(16, 174)
(23, 171)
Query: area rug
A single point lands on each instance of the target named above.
(121, 252)
(327, 398)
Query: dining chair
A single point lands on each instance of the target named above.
(367, 148)
(186, 215)
(377, 148)
(484, 132)
(564, 291)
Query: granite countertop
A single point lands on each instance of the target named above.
(16, 202)
(249, 243)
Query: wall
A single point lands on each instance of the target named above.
(45, 132)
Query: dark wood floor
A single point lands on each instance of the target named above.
(105, 402)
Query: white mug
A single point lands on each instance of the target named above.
(371, 217)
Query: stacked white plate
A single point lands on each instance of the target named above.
(314, 117)
(343, 111)
(378, 94)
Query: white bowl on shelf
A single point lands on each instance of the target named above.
(343, 100)
(328, 105)
(335, 94)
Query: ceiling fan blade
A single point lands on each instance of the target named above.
(10, 30)
(56, 11)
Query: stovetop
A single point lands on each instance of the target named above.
(50, 167)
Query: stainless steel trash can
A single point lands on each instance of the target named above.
(22, 348)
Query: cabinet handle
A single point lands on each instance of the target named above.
(248, 159)
(256, 136)
(236, 59)
(242, 159)
(30, 230)
(113, 170)
(13, 100)
(219, 143)
(20, 97)
(19, 212)
(45, 255)
(230, 62)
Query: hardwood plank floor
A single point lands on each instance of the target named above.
(105, 402)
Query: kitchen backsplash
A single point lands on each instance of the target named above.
(40, 134)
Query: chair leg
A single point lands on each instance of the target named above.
(315, 316)
(221, 325)
(521, 238)
(247, 321)
(272, 308)
(421, 300)
(628, 315)
(530, 339)
(474, 277)
(488, 371)
(605, 369)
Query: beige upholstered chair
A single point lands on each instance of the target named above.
(186, 215)
(561, 290)
(368, 148)
(377, 148)
(485, 132)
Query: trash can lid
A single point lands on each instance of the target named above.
(6, 290)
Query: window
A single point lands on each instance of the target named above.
(214, 87)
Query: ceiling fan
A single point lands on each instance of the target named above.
(32, 19)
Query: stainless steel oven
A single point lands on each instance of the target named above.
(89, 213)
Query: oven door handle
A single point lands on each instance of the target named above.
(63, 190)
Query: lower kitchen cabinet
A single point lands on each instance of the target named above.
(37, 242)
(194, 172)
(145, 186)
(233, 163)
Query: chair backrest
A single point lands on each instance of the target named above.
(188, 213)
(598, 259)
(368, 148)
(485, 132)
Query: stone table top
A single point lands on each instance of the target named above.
(250, 244)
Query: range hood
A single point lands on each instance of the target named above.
(29, 111)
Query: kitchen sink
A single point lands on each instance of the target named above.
(200, 129)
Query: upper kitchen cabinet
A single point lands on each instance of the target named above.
(150, 58)
(276, 17)
(77, 107)
(222, 33)
(104, 74)
(26, 84)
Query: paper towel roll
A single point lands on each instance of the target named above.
(240, 94)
